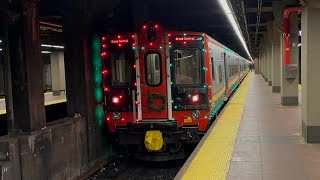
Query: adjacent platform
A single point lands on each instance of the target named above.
(255, 138)
(49, 100)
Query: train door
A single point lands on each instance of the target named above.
(153, 85)
(152, 82)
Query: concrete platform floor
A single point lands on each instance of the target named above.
(49, 100)
(269, 144)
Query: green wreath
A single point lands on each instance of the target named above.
(153, 96)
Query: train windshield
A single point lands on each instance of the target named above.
(121, 68)
(187, 63)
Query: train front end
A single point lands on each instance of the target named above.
(156, 93)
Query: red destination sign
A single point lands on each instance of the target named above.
(118, 41)
(190, 38)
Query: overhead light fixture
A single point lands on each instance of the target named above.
(299, 44)
(52, 46)
(0, 41)
(231, 17)
(46, 45)
(45, 52)
(0, 49)
(59, 47)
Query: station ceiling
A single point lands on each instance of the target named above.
(186, 15)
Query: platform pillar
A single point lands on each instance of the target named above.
(269, 44)
(266, 56)
(277, 7)
(57, 72)
(310, 64)
(256, 65)
(289, 87)
(25, 75)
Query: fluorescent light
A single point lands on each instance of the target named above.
(46, 45)
(59, 47)
(52, 46)
(300, 33)
(45, 52)
(226, 8)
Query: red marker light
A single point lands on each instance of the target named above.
(184, 42)
(108, 119)
(169, 43)
(103, 38)
(133, 36)
(119, 45)
(156, 26)
(144, 27)
(120, 97)
(169, 35)
(115, 100)
(103, 54)
(151, 44)
(122, 119)
(104, 46)
(136, 102)
(133, 44)
(134, 66)
(195, 98)
(119, 37)
(135, 84)
(104, 72)
(106, 89)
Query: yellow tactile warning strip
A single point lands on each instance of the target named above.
(55, 102)
(213, 158)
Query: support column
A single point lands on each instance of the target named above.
(289, 87)
(24, 76)
(266, 56)
(256, 65)
(276, 46)
(310, 71)
(57, 72)
(269, 44)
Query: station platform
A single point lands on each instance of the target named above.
(49, 99)
(254, 138)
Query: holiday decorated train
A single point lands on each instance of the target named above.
(163, 89)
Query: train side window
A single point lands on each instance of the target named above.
(220, 74)
(212, 69)
(153, 69)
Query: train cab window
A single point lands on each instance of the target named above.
(220, 74)
(187, 66)
(121, 68)
(153, 69)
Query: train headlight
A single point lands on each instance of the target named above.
(116, 116)
(196, 114)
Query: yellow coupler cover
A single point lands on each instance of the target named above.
(153, 140)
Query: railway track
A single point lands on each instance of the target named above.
(124, 167)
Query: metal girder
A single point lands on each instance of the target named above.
(254, 25)
(255, 10)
